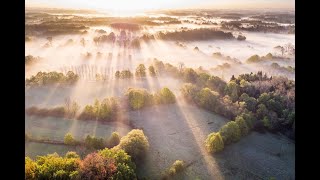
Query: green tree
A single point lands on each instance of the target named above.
(138, 98)
(114, 139)
(244, 129)
(230, 132)
(135, 143)
(165, 96)
(189, 75)
(207, 99)
(214, 143)
(189, 91)
(232, 89)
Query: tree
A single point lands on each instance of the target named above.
(152, 71)
(165, 96)
(138, 98)
(189, 75)
(114, 139)
(30, 169)
(117, 74)
(244, 129)
(135, 143)
(125, 167)
(140, 71)
(94, 142)
(233, 90)
(69, 140)
(180, 66)
(95, 166)
(176, 167)
(214, 143)
(72, 154)
(189, 91)
(261, 111)
(230, 132)
(207, 99)
(254, 59)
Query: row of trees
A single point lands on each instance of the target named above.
(93, 142)
(50, 78)
(139, 73)
(114, 163)
(139, 98)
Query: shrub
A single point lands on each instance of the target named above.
(69, 140)
(176, 167)
(214, 143)
(230, 132)
(135, 143)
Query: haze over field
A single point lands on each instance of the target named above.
(160, 90)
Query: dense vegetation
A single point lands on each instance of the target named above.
(50, 78)
(177, 167)
(115, 163)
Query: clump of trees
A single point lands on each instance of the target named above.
(51, 78)
(125, 74)
(267, 104)
(106, 110)
(104, 164)
(30, 60)
(139, 98)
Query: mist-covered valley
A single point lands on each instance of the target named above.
(193, 88)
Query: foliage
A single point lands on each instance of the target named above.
(176, 167)
(244, 129)
(51, 78)
(164, 96)
(94, 142)
(230, 132)
(140, 71)
(52, 166)
(214, 143)
(69, 140)
(96, 166)
(125, 74)
(125, 167)
(138, 98)
(114, 139)
(135, 143)
(104, 111)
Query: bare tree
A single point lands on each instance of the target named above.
(180, 66)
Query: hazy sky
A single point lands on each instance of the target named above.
(135, 5)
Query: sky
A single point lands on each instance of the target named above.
(143, 5)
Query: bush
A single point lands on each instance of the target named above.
(176, 167)
(135, 143)
(113, 140)
(30, 169)
(214, 143)
(230, 132)
(165, 96)
(69, 140)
